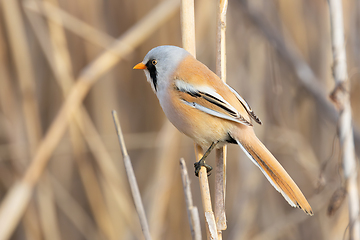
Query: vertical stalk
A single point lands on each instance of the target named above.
(220, 173)
(21, 53)
(341, 98)
(132, 180)
(188, 26)
(193, 213)
(206, 198)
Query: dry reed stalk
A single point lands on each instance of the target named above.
(108, 169)
(188, 26)
(92, 137)
(62, 64)
(305, 75)
(113, 181)
(83, 120)
(106, 93)
(192, 211)
(124, 45)
(220, 170)
(19, 195)
(11, 206)
(8, 103)
(27, 82)
(11, 114)
(24, 70)
(220, 190)
(206, 198)
(188, 39)
(341, 99)
(13, 126)
(132, 180)
(64, 75)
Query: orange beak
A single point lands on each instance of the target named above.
(140, 66)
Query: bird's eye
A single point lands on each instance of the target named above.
(154, 62)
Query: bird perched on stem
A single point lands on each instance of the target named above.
(209, 111)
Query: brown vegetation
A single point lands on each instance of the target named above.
(67, 181)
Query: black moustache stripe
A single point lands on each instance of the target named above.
(153, 73)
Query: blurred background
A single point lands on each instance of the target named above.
(83, 193)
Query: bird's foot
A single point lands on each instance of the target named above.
(199, 164)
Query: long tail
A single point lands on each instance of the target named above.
(274, 172)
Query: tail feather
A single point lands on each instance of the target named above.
(274, 172)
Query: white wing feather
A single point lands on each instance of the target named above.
(191, 89)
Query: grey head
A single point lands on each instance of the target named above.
(161, 62)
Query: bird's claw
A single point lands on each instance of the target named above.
(200, 164)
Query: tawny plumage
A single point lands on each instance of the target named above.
(274, 172)
(204, 108)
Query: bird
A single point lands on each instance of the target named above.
(203, 107)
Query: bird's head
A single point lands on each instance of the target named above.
(160, 63)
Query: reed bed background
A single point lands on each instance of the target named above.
(279, 58)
